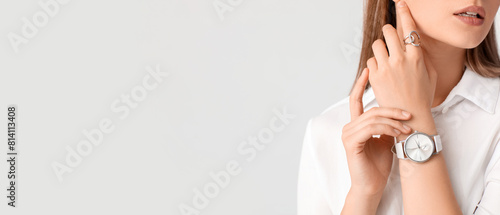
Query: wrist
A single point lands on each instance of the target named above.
(358, 201)
(365, 193)
(422, 121)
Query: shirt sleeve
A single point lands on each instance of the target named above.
(490, 201)
(310, 195)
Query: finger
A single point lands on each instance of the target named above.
(375, 119)
(380, 129)
(399, 29)
(407, 22)
(365, 133)
(372, 65)
(401, 127)
(391, 113)
(380, 51)
(356, 97)
(408, 26)
(392, 40)
(378, 115)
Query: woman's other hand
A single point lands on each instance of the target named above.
(370, 159)
(400, 78)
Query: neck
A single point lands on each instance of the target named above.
(448, 61)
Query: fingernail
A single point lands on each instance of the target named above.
(401, 4)
(406, 114)
(397, 131)
(406, 127)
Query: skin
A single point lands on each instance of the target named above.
(411, 79)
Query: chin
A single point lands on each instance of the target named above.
(467, 42)
(464, 41)
(470, 38)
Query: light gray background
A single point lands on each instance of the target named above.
(226, 77)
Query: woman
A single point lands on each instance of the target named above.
(434, 77)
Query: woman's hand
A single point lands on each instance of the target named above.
(401, 78)
(370, 159)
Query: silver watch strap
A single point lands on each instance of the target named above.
(437, 143)
(397, 148)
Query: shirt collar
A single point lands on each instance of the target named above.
(481, 91)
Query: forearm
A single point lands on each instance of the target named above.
(426, 187)
(361, 203)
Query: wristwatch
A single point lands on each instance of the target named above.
(418, 147)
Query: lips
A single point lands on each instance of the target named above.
(472, 11)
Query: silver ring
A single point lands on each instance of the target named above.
(412, 39)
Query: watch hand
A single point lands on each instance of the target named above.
(425, 148)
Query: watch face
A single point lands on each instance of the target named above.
(419, 147)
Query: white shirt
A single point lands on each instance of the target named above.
(468, 122)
